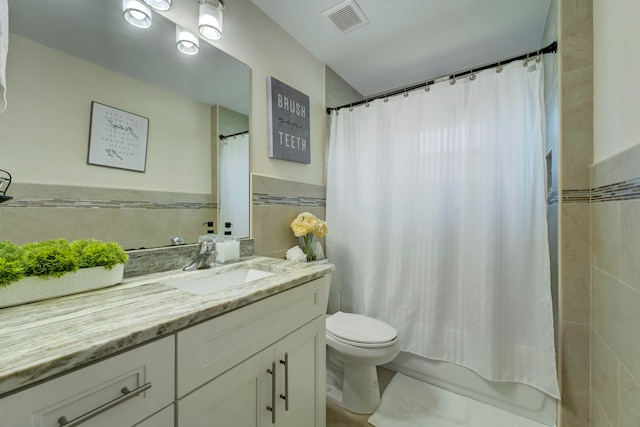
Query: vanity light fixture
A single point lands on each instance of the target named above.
(136, 13)
(158, 4)
(186, 41)
(210, 21)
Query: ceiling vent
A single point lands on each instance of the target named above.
(346, 16)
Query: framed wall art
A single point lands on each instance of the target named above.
(288, 121)
(117, 138)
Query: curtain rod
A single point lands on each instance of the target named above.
(223, 137)
(552, 48)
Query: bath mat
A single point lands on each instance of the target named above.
(408, 402)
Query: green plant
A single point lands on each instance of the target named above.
(10, 251)
(54, 258)
(49, 258)
(10, 271)
(95, 253)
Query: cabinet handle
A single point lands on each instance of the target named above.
(285, 396)
(126, 395)
(272, 408)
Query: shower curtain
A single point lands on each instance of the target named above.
(233, 165)
(436, 207)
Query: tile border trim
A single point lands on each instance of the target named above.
(262, 199)
(35, 202)
(623, 190)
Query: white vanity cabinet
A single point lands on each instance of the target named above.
(224, 371)
(123, 390)
(226, 366)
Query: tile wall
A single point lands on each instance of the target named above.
(615, 291)
(575, 114)
(132, 218)
(276, 203)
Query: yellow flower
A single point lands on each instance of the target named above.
(306, 223)
(299, 229)
(321, 230)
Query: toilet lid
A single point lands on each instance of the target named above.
(359, 328)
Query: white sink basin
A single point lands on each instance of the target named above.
(221, 281)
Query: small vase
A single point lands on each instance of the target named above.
(306, 243)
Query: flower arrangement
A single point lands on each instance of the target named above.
(306, 225)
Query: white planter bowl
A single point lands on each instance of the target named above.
(31, 289)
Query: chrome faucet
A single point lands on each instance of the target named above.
(204, 258)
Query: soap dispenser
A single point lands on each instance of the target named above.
(209, 225)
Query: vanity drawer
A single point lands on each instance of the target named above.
(206, 350)
(82, 392)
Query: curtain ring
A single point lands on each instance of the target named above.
(472, 77)
(526, 61)
(366, 104)
(427, 88)
(385, 98)
(350, 107)
(452, 80)
(499, 68)
(539, 57)
(406, 93)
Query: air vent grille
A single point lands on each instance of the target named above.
(346, 16)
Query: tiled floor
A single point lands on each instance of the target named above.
(340, 417)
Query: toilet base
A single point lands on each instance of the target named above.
(360, 391)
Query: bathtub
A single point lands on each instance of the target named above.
(517, 398)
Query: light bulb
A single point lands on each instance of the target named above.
(136, 13)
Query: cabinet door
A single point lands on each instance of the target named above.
(87, 392)
(235, 398)
(304, 354)
(164, 418)
(207, 350)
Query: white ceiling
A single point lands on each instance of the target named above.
(411, 41)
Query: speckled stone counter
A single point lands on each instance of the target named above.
(43, 339)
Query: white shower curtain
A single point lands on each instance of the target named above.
(436, 207)
(233, 164)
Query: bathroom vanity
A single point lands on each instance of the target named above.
(146, 353)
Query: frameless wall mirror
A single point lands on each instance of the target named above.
(65, 54)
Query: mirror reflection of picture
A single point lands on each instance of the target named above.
(117, 139)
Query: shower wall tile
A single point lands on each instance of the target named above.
(605, 235)
(575, 375)
(576, 22)
(605, 374)
(619, 168)
(629, 238)
(598, 416)
(618, 320)
(629, 400)
(577, 128)
(575, 274)
(615, 245)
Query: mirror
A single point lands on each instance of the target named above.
(64, 55)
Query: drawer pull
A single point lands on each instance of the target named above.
(126, 395)
(285, 396)
(272, 408)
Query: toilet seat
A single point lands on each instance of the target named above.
(360, 330)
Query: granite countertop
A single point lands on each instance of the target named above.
(43, 339)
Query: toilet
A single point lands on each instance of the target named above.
(356, 344)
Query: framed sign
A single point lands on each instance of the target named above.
(117, 139)
(288, 121)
